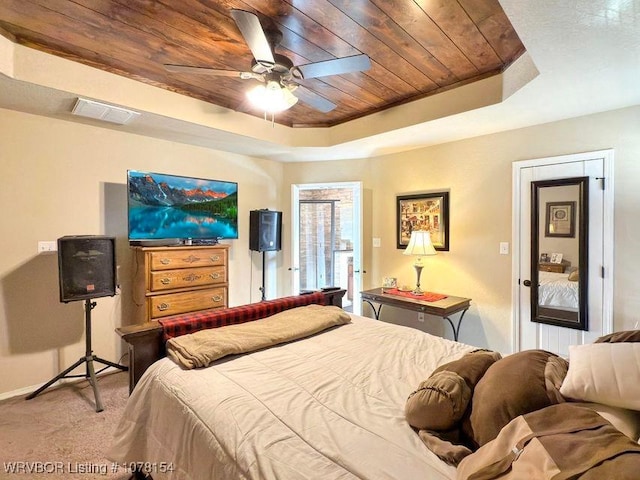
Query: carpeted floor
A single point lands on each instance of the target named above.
(58, 434)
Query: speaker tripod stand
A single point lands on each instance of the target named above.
(264, 272)
(88, 359)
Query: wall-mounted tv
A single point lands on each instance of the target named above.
(173, 208)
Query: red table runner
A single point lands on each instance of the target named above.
(426, 296)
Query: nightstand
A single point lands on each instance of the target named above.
(442, 308)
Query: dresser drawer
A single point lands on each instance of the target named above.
(187, 277)
(175, 303)
(169, 260)
(554, 267)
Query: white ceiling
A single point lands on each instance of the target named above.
(586, 52)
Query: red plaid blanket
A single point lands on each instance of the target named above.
(192, 322)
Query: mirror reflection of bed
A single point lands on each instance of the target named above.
(558, 294)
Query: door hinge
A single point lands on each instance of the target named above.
(602, 186)
(602, 271)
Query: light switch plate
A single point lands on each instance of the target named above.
(376, 242)
(504, 248)
(47, 246)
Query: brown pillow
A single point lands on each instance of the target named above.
(441, 400)
(616, 337)
(574, 276)
(472, 365)
(515, 385)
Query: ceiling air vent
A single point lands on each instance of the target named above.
(102, 111)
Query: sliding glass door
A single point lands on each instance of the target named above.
(326, 237)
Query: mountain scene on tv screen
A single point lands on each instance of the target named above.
(179, 207)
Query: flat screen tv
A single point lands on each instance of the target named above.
(173, 208)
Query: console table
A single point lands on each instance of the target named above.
(443, 308)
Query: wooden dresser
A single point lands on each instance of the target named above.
(174, 280)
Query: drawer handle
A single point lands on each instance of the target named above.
(215, 275)
(192, 277)
(217, 298)
(215, 258)
(192, 259)
(165, 281)
(163, 306)
(165, 261)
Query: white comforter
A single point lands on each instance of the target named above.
(557, 291)
(328, 407)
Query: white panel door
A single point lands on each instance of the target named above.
(596, 166)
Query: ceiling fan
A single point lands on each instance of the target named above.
(278, 75)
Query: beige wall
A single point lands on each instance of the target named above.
(477, 173)
(62, 178)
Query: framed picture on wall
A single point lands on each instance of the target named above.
(560, 221)
(423, 211)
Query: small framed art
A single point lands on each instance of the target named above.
(424, 211)
(560, 221)
(389, 282)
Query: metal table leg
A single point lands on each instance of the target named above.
(456, 329)
(376, 312)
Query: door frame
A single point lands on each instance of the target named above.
(607, 234)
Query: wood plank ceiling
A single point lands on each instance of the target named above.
(417, 47)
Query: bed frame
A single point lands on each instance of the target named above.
(146, 342)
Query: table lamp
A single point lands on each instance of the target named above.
(419, 245)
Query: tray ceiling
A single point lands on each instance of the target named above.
(417, 48)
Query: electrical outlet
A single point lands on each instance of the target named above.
(420, 317)
(376, 242)
(47, 246)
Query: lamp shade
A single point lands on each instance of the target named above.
(420, 244)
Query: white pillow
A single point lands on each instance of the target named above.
(607, 373)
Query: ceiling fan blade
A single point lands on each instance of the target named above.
(313, 99)
(213, 71)
(337, 66)
(254, 35)
(202, 70)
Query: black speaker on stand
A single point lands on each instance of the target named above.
(265, 235)
(87, 270)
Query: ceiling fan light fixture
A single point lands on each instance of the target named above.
(272, 97)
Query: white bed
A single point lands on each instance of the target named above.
(330, 406)
(557, 291)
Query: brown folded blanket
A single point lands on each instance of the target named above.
(200, 349)
(560, 442)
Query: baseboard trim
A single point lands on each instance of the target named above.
(59, 383)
